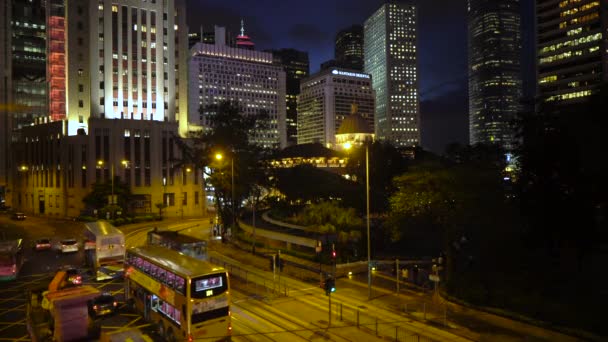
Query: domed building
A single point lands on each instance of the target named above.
(354, 130)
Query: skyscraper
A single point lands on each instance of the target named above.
(326, 100)
(349, 48)
(390, 52)
(23, 90)
(5, 98)
(124, 61)
(222, 73)
(117, 98)
(495, 79)
(296, 66)
(572, 45)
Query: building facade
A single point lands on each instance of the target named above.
(123, 60)
(326, 99)
(23, 60)
(115, 71)
(5, 99)
(56, 171)
(572, 49)
(349, 48)
(495, 75)
(248, 77)
(390, 54)
(296, 66)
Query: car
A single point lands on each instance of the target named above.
(73, 276)
(105, 304)
(42, 244)
(19, 216)
(68, 246)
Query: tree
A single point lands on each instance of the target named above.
(562, 179)
(448, 203)
(100, 192)
(306, 183)
(385, 162)
(229, 133)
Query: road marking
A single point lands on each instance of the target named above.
(133, 321)
(21, 322)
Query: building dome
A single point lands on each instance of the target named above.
(354, 130)
(353, 124)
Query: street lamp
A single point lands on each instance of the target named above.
(348, 146)
(219, 156)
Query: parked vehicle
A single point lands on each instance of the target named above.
(69, 246)
(105, 304)
(19, 216)
(73, 275)
(42, 244)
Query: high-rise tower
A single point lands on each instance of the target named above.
(119, 61)
(296, 66)
(572, 49)
(495, 79)
(349, 48)
(390, 54)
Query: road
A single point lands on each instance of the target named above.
(255, 317)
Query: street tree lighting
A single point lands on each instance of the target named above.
(219, 156)
(348, 146)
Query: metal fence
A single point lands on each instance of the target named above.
(264, 286)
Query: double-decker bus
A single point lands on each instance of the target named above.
(188, 299)
(11, 258)
(188, 245)
(104, 248)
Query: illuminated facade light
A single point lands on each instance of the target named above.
(247, 77)
(390, 40)
(572, 48)
(495, 81)
(326, 100)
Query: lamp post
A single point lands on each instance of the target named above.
(347, 146)
(164, 195)
(219, 156)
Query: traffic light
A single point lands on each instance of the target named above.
(333, 252)
(330, 286)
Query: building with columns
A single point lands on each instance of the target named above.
(116, 70)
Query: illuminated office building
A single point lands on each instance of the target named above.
(325, 101)
(495, 79)
(248, 77)
(123, 60)
(23, 63)
(572, 49)
(390, 53)
(349, 48)
(117, 76)
(5, 98)
(296, 66)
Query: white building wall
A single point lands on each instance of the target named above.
(247, 77)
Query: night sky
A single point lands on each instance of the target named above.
(311, 25)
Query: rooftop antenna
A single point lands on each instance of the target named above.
(242, 27)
